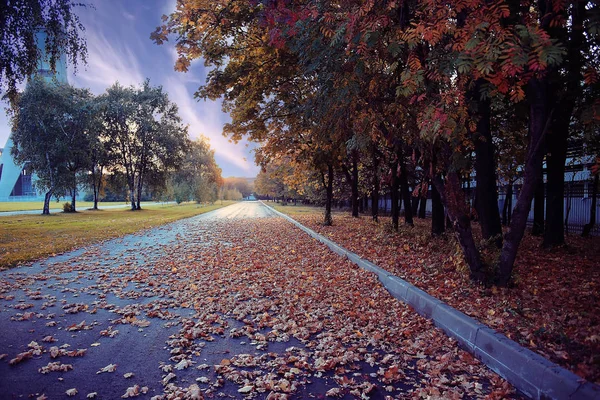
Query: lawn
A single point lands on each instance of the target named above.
(38, 205)
(26, 238)
(293, 210)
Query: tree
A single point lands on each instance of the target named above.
(24, 23)
(198, 178)
(300, 77)
(242, 185)
(567, 88)
(99, 156)
(145, 134)
(49, 129)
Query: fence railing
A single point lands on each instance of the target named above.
(577, 211)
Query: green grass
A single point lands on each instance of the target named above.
(291, 209)
(25, 238)
(38, 205)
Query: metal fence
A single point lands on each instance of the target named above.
(577, 207)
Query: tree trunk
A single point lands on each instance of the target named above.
(139, 194)
(510, 204)
(354, 182)
(94, 188)
(486, 191)
(538, 206)
(47, 198)
(408, 215)
(375, 192)
(423, 203)
(539, 117)
(587, 228)
(327, 220)
(555, 195)
(454, 199)
(95, 198)
(569, 198)
(559, 134)
(98, 187)
(415, 204)
(507, 208)
(132, 199)
(394, 196)
(131, 184)
(73, 199)
(438, 217)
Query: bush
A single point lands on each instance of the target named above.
(67, 207)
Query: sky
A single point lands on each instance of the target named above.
(119, 49)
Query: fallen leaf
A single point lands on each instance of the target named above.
(170, 376)
(108, 368)
(246, 389)
(132, 391)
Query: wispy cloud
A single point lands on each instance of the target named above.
(129, 16)
(108, 63)
(206, 118)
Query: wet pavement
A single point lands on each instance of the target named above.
(193, 310)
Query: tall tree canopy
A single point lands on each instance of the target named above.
(21, 22)
(408, 85)
(50, 129)
(145, 134)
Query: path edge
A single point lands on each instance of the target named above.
(529, 372)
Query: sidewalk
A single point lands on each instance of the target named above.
(529, 372)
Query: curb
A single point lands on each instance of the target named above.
(530, 373)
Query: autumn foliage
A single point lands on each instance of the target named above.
(404, 94)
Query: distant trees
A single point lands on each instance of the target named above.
(283, 179)
(70, 138)
(199, 177)
(236, 188)
(52, 21)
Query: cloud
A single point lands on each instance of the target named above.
(108, 62)
(206, 118)
(129, 16)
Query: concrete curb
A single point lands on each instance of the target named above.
(530, 373)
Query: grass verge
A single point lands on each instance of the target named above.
(38, 205)
(25, 238)
(292, 210)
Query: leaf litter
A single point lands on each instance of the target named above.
(565, 331)
(268, 283)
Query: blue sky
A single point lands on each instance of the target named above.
(120, 49)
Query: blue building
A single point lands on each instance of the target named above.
(17, 182)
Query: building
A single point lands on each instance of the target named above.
(17, 182)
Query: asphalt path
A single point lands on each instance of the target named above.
(63, 312)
